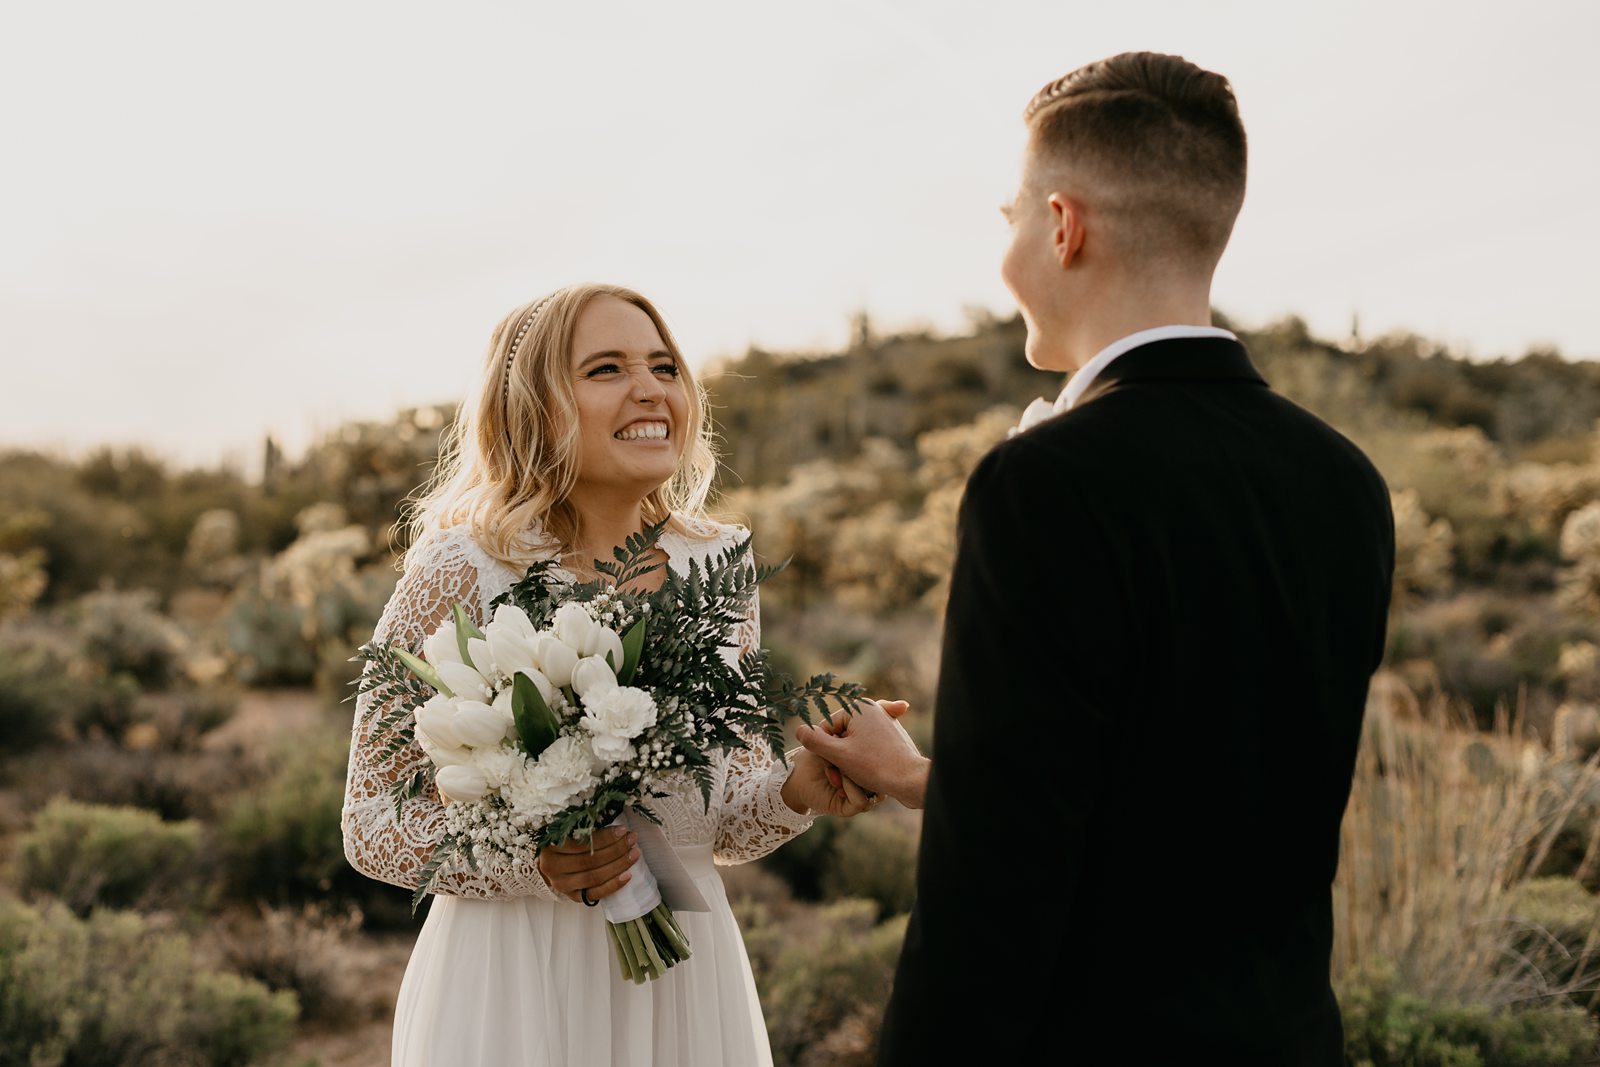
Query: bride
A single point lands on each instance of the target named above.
(587, 426)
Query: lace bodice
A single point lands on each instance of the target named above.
(747, 817)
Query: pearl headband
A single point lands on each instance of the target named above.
(516, 343)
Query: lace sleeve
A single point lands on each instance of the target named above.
(376, 843)
(755, 820)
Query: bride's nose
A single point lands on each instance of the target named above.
(647, 388)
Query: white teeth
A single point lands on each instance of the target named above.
(646, 431)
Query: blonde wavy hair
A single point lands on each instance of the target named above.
(509, 462)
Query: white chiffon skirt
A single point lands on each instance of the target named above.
(535, 983)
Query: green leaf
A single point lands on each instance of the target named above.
(465, 631)
(536, 723)
(421, 669)
(632, 649)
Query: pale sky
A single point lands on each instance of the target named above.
(219, 220)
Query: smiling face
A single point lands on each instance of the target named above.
(1033, 269)
(633, 409)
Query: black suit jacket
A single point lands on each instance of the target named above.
(1166, 607)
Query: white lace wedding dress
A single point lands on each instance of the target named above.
(505, 971)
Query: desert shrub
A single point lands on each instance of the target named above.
(179, 718)
(1557, 920)
(91, 856)
(124, 632)
(267, 640)
(39, 685)
(173, 785)
(825, 992)
(1388, 1027)
(300, 950)
(281, 842)
(1445, 828)
(114, 990)
(875, 858)
(803, 861)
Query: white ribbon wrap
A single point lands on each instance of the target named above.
(658, 875)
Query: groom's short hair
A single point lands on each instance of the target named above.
(1154, 143)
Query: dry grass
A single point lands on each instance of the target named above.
(1445, 826)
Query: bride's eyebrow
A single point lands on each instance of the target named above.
(614, 354)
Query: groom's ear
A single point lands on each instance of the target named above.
(1067, 229)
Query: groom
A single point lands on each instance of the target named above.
(1167, 602)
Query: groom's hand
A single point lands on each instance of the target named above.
(871, 748)
(836, 726)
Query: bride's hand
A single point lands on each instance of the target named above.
(809, 788)
(601, 867)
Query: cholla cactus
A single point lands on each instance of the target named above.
(1580, 545)
(1424, 550)
(318, 564)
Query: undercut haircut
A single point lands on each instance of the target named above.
(1152, 143)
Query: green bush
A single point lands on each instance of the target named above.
(267, 637)
(181, 717)
(114, 990)
(824, 993)
(124, 632)
(282, 843)
(803, 861)
(875, 858)
(91, 856)
(304, 951)
(39, 686)
(1387, 1027)
(173, 785)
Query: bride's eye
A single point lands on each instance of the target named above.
(670, 369)
(604, 368)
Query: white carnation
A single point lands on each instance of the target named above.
(615, 716)
(563, 770)
(496, 764)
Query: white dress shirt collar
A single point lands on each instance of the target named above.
(1079, 383)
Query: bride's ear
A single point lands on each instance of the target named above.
(1066, 217)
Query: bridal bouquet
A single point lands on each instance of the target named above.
(570, 706)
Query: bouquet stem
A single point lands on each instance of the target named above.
(649, 946)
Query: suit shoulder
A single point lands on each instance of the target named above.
(1344, 451)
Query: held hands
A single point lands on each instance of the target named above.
(872, 750)
(810, 788)
(593, 869)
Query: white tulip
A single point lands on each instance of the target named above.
(512, 618)
(482, 658)
(477, 724)
(573, 625)
(464, 681)
(502, 704)
(461, 783)
(442, 647)
(556, 659)
(511, 650)
(437, 719)
(442, 755)
(545, 686)
(592, 674)
(606, 640)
